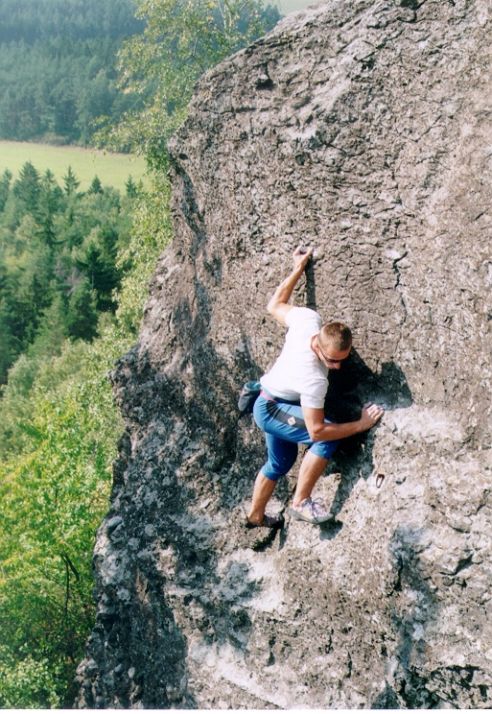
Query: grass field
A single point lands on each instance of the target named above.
(286, 6)
(112, 169)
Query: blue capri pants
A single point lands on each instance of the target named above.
(284, 427)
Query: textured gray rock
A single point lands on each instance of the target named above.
(363, 128)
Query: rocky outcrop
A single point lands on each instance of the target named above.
(362, 128)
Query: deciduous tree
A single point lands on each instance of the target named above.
(181, 40)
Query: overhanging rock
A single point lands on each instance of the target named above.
(362, 128)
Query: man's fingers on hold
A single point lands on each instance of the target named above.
(305, 252)
(375, 412)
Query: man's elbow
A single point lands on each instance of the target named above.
(278, 310)
(315, 432)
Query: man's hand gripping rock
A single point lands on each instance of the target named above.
(371, 414)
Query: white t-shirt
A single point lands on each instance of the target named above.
(298, 374)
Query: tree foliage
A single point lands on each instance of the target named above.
(58, 438)
(181, 40)
(74, 272)
(51, 500)
(57, 246)
(57, 66)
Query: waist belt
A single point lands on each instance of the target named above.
(275, 411)
(281, 400)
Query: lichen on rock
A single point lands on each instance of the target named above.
(363, 129)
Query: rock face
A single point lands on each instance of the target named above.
(361, 127)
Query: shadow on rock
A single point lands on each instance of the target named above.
(349, 389)
(415, 609)
(162, 571)
(330, 529)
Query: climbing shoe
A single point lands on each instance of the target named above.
(267, 522)
(311, 511)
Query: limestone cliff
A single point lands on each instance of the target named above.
(362, 127)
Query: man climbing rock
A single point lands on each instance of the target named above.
(290, 408)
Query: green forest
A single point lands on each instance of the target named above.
(58, 67)
(58, 251)
(74, 271)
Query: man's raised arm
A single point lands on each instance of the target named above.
(278, 305)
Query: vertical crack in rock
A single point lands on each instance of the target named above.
(363, 129)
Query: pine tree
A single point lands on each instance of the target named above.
(96, 186)
(27, 187)
(70, 182)
(131, 187)
(51, 330)
(50, 202)
(4, 188)
(81, 318)
(9, 345)
(96, 259)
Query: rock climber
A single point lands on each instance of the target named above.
(290, 407)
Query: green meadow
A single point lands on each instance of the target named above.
(286, 6)
(112, 169)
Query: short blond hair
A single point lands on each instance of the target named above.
(336, 335)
